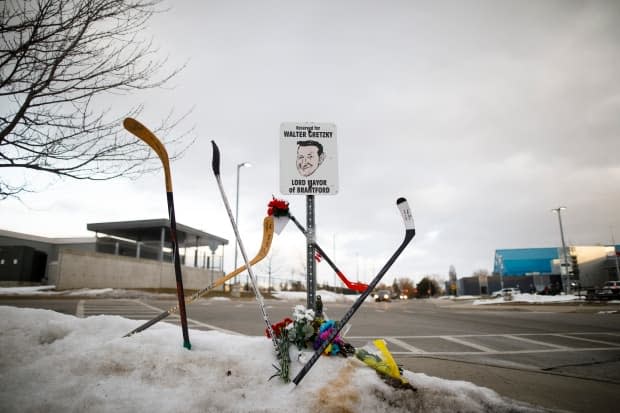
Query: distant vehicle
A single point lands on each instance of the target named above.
(609, 291)
(383, 295)
(505, 291)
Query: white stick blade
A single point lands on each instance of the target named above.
(405, 212)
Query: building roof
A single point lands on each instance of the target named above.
(46, 240)
(149, 231)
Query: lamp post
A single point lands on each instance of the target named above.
(613, 243)
(564, 274)
(241, 165)
(499, 260)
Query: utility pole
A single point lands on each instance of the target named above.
(613, 242)
(564, 274)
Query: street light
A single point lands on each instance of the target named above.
(613, 243)
(241, 165)
(564, 274)
(499, 261)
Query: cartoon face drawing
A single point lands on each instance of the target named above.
(310, 156)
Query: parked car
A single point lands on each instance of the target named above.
(505, 291)
(609, 291)
(383, 295)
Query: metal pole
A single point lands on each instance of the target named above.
(310, 238)
(500, 262)
(613, 242)
(334, 255)
(565, 276)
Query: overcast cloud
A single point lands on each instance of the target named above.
(484, 114)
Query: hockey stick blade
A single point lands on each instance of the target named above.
(405, 211)
(142, 132)
(268, 230)
(215, 162)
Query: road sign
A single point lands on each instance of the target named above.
(308, 158)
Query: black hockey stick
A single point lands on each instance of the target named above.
(142, 132)
(403, 206)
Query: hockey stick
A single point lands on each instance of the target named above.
(403, 206)
(262, 253)
(355, 286)
(142, 132)
(216, 171)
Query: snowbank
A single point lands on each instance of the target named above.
(530, 298)
(326, 296)
(50, 290)
(58, 363)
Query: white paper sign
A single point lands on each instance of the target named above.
(308, 159)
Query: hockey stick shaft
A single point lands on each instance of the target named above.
(409, 234)
(262, 253)
(359, 287)
(259, 298)
(142, 132)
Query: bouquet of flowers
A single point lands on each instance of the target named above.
(277, 208)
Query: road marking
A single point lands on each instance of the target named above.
(136, 310)
(529, 340)
(177, 318)
(497, 352)
(480, 350)
(79, 311)
(468, 344)
(609, 343)
(404, 345)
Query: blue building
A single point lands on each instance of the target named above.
(525, 261)
(540, 269)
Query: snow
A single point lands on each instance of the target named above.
(531, 299)
(59, 363)
(50, 290)
(326, 296)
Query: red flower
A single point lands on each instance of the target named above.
(277, 207)
(278, 327)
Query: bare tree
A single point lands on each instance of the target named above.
(58, 59)
(407, 287)
(271, 266)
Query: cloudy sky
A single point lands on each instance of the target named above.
(483, 114)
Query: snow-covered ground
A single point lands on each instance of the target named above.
(49, 290)
(326, 296)
(52, 362)
(534, 299)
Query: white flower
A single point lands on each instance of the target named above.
(299, 312)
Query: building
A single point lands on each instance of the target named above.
(25, 257)
(540, 269)
(588, 266)
(127, 254)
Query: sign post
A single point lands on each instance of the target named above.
(308, 166)
(310, 267)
